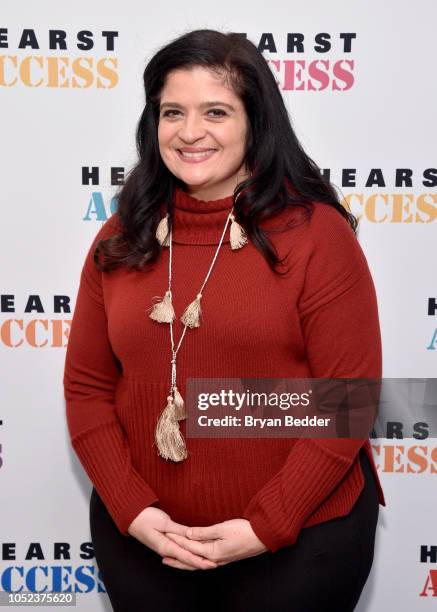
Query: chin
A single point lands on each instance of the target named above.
(194, 181)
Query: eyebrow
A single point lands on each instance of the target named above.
(203, 105)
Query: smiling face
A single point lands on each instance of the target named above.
(202, 131)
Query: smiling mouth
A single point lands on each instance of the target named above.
(196, 155)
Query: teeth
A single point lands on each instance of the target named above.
(200, 154)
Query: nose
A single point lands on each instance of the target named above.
(191, 128)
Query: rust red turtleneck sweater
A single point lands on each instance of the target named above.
(321, 320)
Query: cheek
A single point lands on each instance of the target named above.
(235, 140)
(164, 136)
(236, 145)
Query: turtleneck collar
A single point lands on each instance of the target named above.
(200, 221)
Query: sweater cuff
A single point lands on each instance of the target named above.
(280, 509)
(132, 510)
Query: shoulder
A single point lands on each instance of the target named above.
(319, 231)
(110, 227)
(320, 223)
(330, 237)
(327, 220)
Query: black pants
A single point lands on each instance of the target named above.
(325, 570)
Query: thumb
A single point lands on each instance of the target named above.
(203, 533)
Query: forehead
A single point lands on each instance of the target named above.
(197, 84)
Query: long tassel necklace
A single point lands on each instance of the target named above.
(168, 437)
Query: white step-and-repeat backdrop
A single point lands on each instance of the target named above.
(359, 82)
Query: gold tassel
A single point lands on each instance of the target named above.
(168, 437)
(179, 405)
(191, 315)
(162, 234)
(163, 311)
(237, 234)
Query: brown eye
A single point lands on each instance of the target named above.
(219, 112)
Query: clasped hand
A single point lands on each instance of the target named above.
(194, 548)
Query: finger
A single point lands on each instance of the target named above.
(204, 549)
(171, 549)
(187, 539)
(170, 533)
(175, 563)
(212, 532)
(174, 527)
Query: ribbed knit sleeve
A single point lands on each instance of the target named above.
(90, 378)
(340, 326)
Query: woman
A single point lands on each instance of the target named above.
(186, 280)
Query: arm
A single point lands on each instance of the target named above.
(340, 328)
(90, 379)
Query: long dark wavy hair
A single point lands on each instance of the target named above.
(282, 174)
